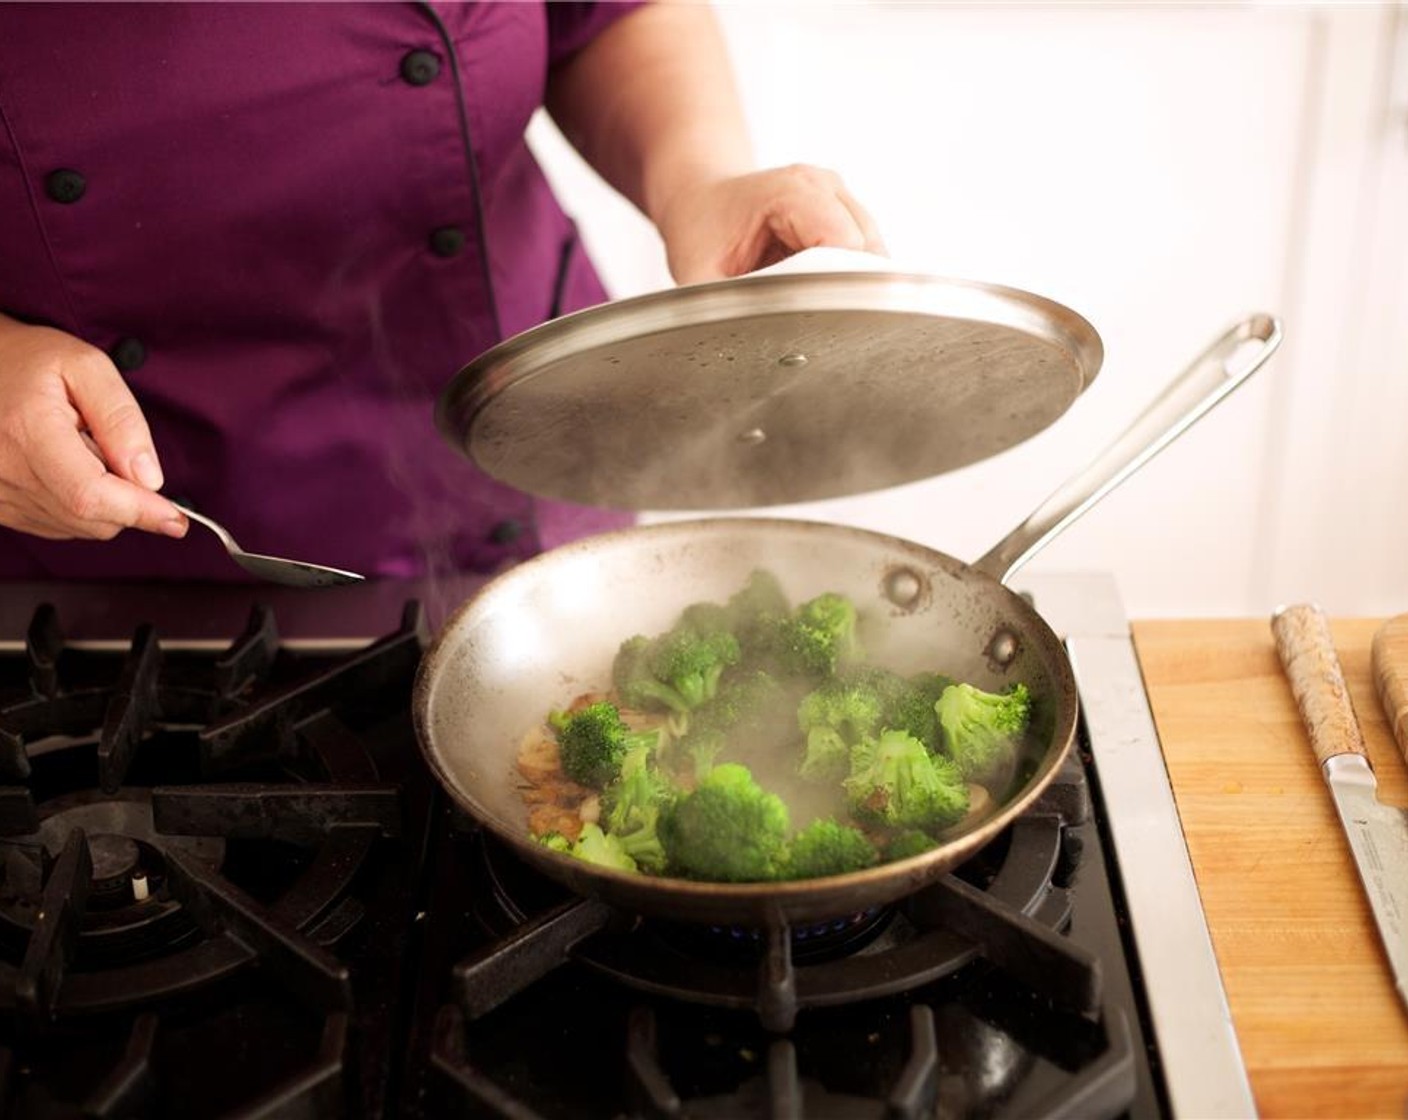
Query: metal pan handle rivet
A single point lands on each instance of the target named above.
(792, 361)
(1003, 648)
(752, 436)
(904, 587)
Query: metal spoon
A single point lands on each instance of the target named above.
(295, 573)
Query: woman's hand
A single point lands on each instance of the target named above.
(650, 102)
(727, 227)
(76, 456)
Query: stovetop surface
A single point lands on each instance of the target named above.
(322, 934)
(1019, 1024)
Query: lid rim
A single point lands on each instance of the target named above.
(996, 313)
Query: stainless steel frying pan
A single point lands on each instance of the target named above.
(547, 630)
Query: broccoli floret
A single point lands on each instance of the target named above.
(678, 671)
(827, 757)
(631, 808)
(981, 729)
(696, 753)
(827, 848)
(887, 686)
(896, 783)
(750, 708)
(761, 595)
(835, 718)
(908, 702)
(754, 613)
(556, 841)
(593, 741)
(646, 849)
(593, 846)
(596, 846)
(630, 674)
(749, 704)
(729, 829)
(691, 662)
(820, 637)
(911, 842)
(911, 709)
(742, 696)
(638, 788)
(704, 754)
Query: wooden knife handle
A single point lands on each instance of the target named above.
(1390, 660)
(1308, 655)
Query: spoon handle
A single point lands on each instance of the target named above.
(214, 526)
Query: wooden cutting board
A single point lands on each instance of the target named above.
(1322, 1029)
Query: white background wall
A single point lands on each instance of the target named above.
(1163, 171)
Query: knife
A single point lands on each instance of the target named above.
(1377, 833)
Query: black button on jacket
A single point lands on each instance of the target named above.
(65, 185)
(420, 68)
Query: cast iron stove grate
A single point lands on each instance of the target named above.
(190, 844)
(968, 999)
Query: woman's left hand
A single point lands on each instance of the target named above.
(726, 227)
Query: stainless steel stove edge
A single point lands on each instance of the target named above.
(1197, 1044)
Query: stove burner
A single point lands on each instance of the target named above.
(114, 859)
(124, 815)
(119, 927)
(1010, 917)
(814, 942)
(119, 895)
(753, 1025)
(518, 892)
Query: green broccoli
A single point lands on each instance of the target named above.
(749, 708)
(729, 829)
(749, 703)
(981, 729)
(754, 613)
(592, 846)
(827, 848)
(677, 671)
(595, 846)
(911, 842)
(631, 808)
(761, 595)
(630, 674)
(912, 710)
(819, 638)
(835, 718)
(888, 687)
(700, 752)
(896, 783)
(593, 741)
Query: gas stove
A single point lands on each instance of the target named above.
(228, 887)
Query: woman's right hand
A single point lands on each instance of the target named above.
(76, 456)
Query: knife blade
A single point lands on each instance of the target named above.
(1377, 833)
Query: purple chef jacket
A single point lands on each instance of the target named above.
(290, 225)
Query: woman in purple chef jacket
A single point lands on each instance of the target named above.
(243, 247)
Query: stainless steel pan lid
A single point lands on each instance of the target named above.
(768, 389)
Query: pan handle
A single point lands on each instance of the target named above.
(1226, 364)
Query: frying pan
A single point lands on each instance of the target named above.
(547, 630)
